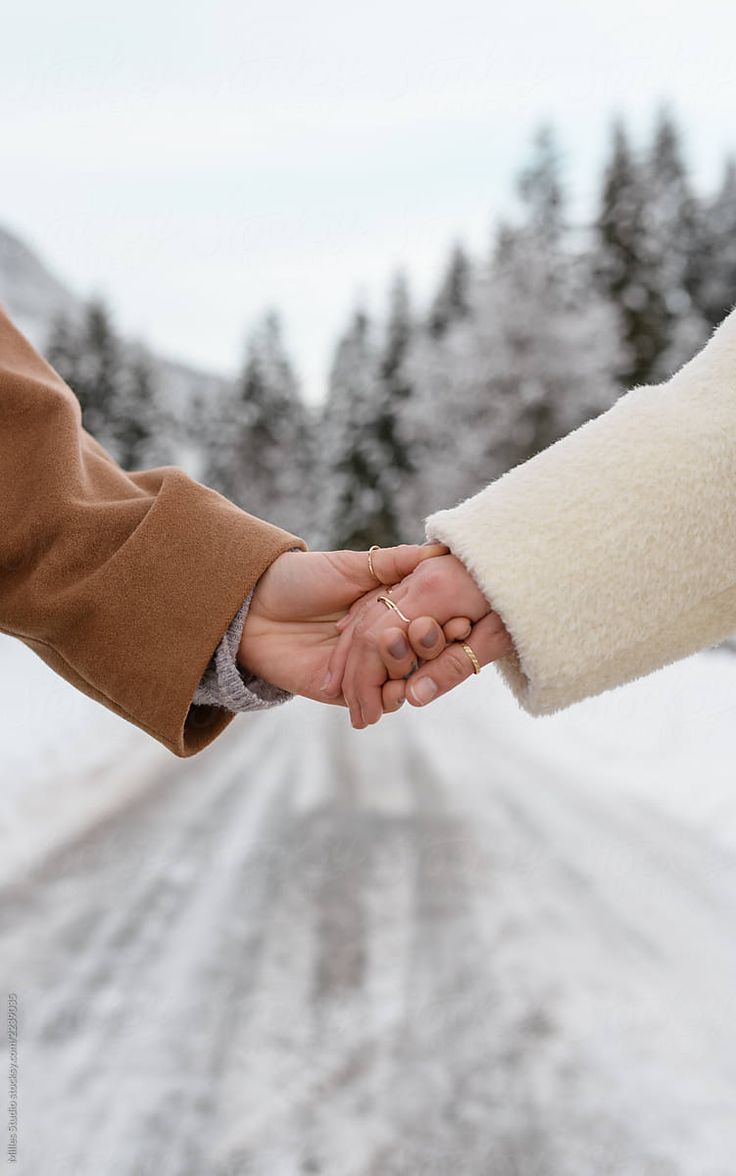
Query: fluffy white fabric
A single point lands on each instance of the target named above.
(613, 552)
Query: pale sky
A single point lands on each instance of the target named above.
(199, 162)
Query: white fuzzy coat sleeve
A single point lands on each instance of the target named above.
(613, 552)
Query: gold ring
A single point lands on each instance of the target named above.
(371, 568)
(471, 655)
(392, 604)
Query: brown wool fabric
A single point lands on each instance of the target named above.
(124, 583)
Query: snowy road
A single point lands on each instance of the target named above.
(430, 948)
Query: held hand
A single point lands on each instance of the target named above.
(290, 632)
(450, 664)
(441, 588)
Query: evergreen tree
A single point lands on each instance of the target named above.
(542, 354)
(351, 456)
(451, 303)
(716, 294)
(556, 356)
(533, 359)
(649, 254)
(395, 391)
(544, 357)
(116, 385)
(100, 374)
(674, 240)
(436, 423)
(260, 448)
(88, 355)
(541, 191)
(137, 423)
(624, 270)
(368, 460)
(64, 349)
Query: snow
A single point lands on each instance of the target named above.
(66, 762)
(464, 940)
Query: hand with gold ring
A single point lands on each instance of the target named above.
(445, 659)
(441, 588)
(290, 631)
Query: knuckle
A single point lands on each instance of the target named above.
(457, 665)
(363, 632)
(431, 579)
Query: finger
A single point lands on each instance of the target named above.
(426, 638)
(457, 629)
(396, 653)
(336, 665)
(350, 615)
(488, 640)
(339, 656)
(393, 696)
(362, 685)
(392, 564)
(363, 679)
(441, 588)
(365, 670)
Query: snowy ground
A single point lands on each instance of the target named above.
(464, 942)
(65, 762)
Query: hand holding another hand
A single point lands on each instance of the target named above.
(379, 646)
(290, 631)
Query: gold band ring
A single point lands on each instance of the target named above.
(371, 568)
(471, 655)
(392, 604)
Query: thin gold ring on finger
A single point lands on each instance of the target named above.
(471, 654)
(393, 605)
(371, 568)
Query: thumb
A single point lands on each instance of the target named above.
(392, 564)
(389, 566)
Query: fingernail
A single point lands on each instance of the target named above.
(398, 648)
(423, 691)
(326, 684)
(429, 639)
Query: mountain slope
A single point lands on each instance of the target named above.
(33, 296)
(29, 291)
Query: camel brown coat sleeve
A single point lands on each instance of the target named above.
(123, 583)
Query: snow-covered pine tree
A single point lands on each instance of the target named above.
(533, 358)
(451, 303)
(430, 420)
(260, 449)
(116, 384)
(395, 391)
(435, 422)
(87, 355)
(545, 344)
(716, 294)
(540, 188)
(100, 373)
(139, 427)
(367, 462)
(350, 457)
(624, 266)
(64, 349)
(649, 263)
(674, 240)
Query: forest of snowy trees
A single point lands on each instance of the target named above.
(426, 406)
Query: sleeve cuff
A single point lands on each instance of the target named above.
(225, 685)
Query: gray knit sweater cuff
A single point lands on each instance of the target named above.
(225, 685)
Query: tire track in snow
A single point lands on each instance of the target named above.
(407, 952)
